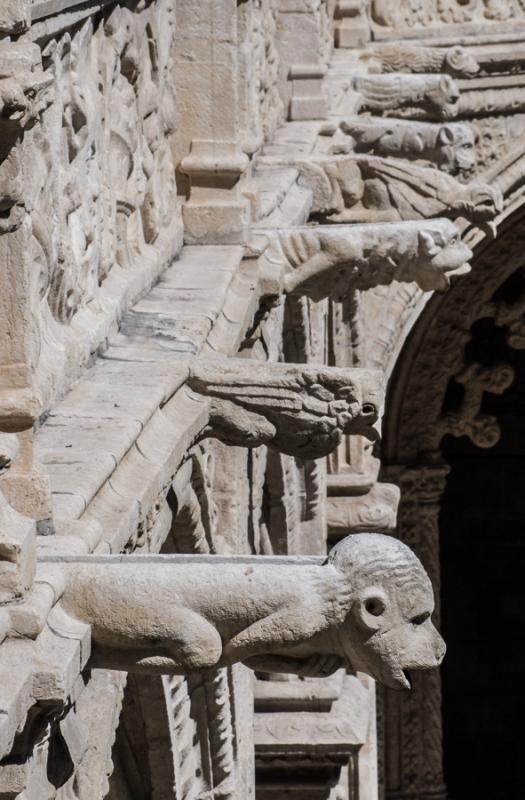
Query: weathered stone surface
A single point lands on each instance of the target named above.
(331, 261)
(369, 608)
(215, 399)
(357, 188)
(299, 410)
(450, 147)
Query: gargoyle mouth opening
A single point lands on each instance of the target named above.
(408, 679)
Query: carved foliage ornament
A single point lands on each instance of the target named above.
(419, 13)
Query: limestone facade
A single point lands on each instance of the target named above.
(245, 248)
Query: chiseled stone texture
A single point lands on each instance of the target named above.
(221, 240)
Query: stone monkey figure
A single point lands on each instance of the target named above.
(368, 607)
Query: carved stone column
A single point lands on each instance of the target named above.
(413, 725)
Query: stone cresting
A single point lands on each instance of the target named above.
(330, 261)
(300, 410)
(368, 608)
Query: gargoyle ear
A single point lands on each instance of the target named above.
(427, 244)
(370, 608)
(446, 135)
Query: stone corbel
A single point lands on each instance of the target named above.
(332, 260)
(301, 410)
(367, 607)
(374, 511)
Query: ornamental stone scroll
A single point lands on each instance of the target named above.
(367, 607)
(333, 260)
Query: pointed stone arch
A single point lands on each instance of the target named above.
(437, 386)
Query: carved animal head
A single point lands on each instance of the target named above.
(388, 629)
(441, 254)
(484, 202)
(456, 150)
(444, 97)
(459, 61)
(300, 410)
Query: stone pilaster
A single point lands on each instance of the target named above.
(352, 28)
(207, 147)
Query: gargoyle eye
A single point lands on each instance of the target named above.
(375, 606)
(420, 618)
(368, 408)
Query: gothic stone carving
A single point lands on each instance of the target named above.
(301, 410)
(368, 607)
(24, 86)
(436, 95)
(450, 147)
(424, 13)
(331, 261)
(371, 189)
(102, 181)
(455, 61)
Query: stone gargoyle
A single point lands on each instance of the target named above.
(451, 147)
(367, 607)
(298, 409)
(436, 95)
(402, 57)
(359, 188)
(332, 260)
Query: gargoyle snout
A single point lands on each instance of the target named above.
(441, 649)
